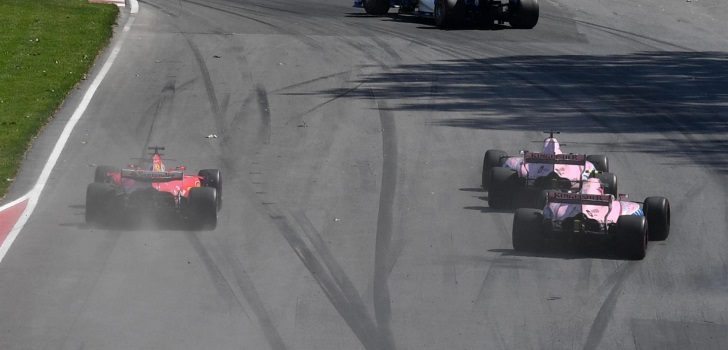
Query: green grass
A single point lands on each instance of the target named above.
(46, 48)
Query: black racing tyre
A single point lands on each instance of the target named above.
(632, 236)
(202, 207)
(600, 162)
(609, 181)
(657, 212)
(527, 224)
(376, 7)
(98, 199)
(502, 188)
(101, 174)
(448, 13)
(493, 158)
(212, 178)
(523, 14)
(543, 199)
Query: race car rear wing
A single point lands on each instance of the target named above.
(151, 176)
(580, 198)
(543, 158)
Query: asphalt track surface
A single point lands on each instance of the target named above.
(351, 149)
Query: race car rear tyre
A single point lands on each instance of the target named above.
(632, 236)
(212, 178)
(543, 199)
(102, 173)
(527, 225)
(489, 13)
(98, 198)
(202, 206)
(493, 158)
(600, 162)
(448, 13)
(502, 188)
(657, 212)
(609, 181)
(523, 14)
(376, 7)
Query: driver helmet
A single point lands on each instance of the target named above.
(592, 186)
(157, 164)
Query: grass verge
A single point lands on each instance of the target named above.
(46, 48)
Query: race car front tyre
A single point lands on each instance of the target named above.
(657, 212)
(448, 12)
(609, 181)
(212, 178)
(102, 173)
(202, 208)
(523, 14)
(527, 225)
(492, 158)
(502, 188)
(632, 236)
(600, 162)
(376, 7)
(98, 197)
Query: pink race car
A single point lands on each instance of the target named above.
(591, 214)
(514, 181)
(150, 187)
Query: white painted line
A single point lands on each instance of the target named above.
(22, 198)
(34, 194)
(134, 6)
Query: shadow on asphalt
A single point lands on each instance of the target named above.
(646, 92)
(483, 209)
(429, 23)
(567, 252)
(472, 189)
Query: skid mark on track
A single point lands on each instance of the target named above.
(621, 33)
(385, 219)
(221, 283)
(264, 108)
(500, 260)
(353, 311)
(305, 39)
(311, 81)
(245, 285)
(254, 300)
(211, 7)
(307, 244)
(322, 249)
(387, 48)
(170, 13)
(209, 86)
(106, 250)
(316, 107)
(599, 325)
(163, 104)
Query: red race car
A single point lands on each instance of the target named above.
(150, 187)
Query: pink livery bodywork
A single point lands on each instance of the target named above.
(592, 202)
(529, 168)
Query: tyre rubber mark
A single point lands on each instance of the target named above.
(264, 108)
(385, 219)
(311, 81)
(596, 331)
(244, 282)
(352, 310)
(34, 194)
(164, 102)
(209, 87)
